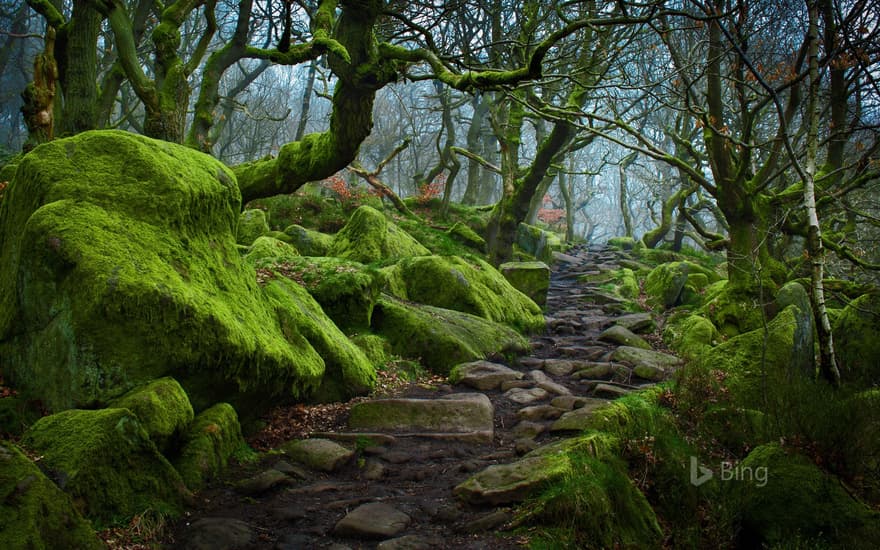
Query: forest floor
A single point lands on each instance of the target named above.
(416, 475)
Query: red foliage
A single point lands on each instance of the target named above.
(3, 185)
(429, 190)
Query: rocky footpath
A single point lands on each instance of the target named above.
(440, 466)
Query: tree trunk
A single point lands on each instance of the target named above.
(306, 104)
(475, 170)
(39, 96)
(624, 165)
(78, 69)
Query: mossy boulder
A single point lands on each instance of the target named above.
(622, 243)
(34, 512)
(530, 278)
(756, 365)
(252, 224)
(162, 407)
(784, 496)
(469, 285)
(308, 241)
(857, 340)
(106, 461)
(370, 237)
(537, 242)
(346, 290)
(734, 310)
(344, 371)
(267, 251)
(665, 284)
(441, 338)
(690, 335)
(209, 442)
(375, 347)
(119, 265)
(467, 236)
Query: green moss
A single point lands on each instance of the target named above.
(310, 243)
(690, 335)
(537, 242)
(441, 338)
(211, 439)
(622, 243)
(34, 513)
(108, 464)
(267, 251)
(118, 265)
(665, 283)
(162, 407)
(857, 340)
(252, 224)
(375, 347)
(797, 500)
(469, 285)
(370, 237)
(530, 278)
(308, 207)
(346, 372)
(734, 310)
(464, 234)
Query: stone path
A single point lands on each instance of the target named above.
(394, 479)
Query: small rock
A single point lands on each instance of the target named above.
(219, 534)
(318, 454)
(410, 542)
(373, 470)
(531, 362)
(508, 483)
(609, 391)
(650, 372)
(637, 322)
(524, 445)
(528, 429)
(539, 412)
(636, 356)
(623, 336)
(487, 522)
(295, 541)
(262, 482)
(510, 384)
(287, 468)
(595, 371)
(569, 402)
(559, 367)
(525, 396)
(483, 375)
(577, 420)
(374, 520)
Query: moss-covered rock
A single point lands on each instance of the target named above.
(665, 283)
(857, 340)
(758, 366)
(346, 370)
(106, 461)
(467, 236)
(119, 265)
(162, 407)
(783, 496)
(34, 513)
(734, 310)
(441, 338)
(370, 237)
(346, 290)
(267, 251)
(622, 243)
(210, 440)
(690, 335)
(530, 278)
(375, 347)
(469, 285)
(309, 242)
(537, 242)
(252, 224)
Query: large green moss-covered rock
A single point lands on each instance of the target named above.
(370, 237)
(690, 335)
(530, 278)
(756, 366)
(465, 235)
(106, 461)
(665, 283)
(162, 407)
(118, 265)
(469, 285)
(441, 338)
(268, 251)
(252, 224)
(34, 513)
(734, 310)
(210, 440)
(308, 241)
(782, 496)
(537, 242)
(857, 340)
(346, 290)
(345, 370)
